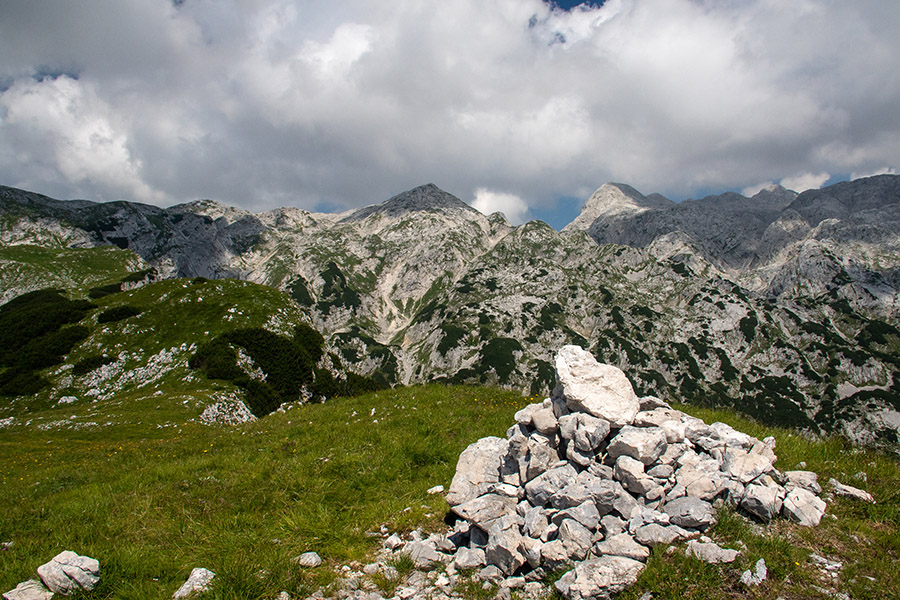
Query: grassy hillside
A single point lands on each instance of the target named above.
(151, 503)
(25, 268)
(137, 349)
(110, 458)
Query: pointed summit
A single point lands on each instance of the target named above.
(425, 198)
(615, 199)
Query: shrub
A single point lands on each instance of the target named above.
(497, 354)
(89, 363)
(104, 290)
(33, 315)
(288, 365)
(21, 382)
(140, 276)
(49, 349)
(33, 336)
(452, 336)
(310, 340)
(118, 313)
(748, 327)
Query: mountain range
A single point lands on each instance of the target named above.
(784, 305)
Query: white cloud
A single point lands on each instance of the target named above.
(805, 181)
(488, 201)
(881, 171)
(752, 190)
(307, 101)
(65, 125)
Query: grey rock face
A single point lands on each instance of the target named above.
(423, 554)
(655, 534)
(690, 512)
(469, 558)
(504, 547)
(710, 552)
(309, 560)
(413, 268)
(645, 444)
(575, 537)
(478, 467)
(541, 489)
(803, 479)
(849, 491)
(757, 576)
(485, 510)
(761, 501)
(622, 545)
(745, 466)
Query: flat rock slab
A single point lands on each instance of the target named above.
(29, 590)
(478, 467)
(690, 512)
(308, 560)
(848, 491)
(803, 507)
(710, 552)
(599, 578)
(645, 444)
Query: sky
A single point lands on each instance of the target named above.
(514, 105)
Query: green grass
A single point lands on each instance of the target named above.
(31, 267)
(151, 504)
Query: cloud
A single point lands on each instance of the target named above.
(488, 201)
(310, 102)
(805, 181)
(881, 171)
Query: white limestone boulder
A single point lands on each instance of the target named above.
(198, 582)
(477, 469)
(599, 578)
(597, 389)
(645, 444)
(803, 507)
(69, 572)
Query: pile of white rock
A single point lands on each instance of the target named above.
(595, 476)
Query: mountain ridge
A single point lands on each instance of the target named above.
(422, 288)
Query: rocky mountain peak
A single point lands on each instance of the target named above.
(615, 199)
(849, 198)
(425, 198)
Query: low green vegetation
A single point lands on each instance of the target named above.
(36, 331)
(28, 267)
(153, 503)
(117, 313)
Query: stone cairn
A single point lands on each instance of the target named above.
(594, 476)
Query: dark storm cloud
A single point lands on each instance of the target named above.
(507, 103)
